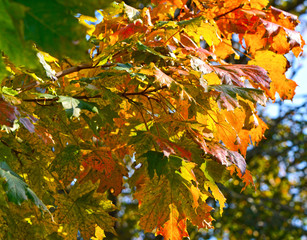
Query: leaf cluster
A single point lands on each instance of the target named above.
(156, 98)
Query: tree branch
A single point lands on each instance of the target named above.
(80, 67)
(123, 94)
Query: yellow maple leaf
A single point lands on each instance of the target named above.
(276, 66)
(86, 21)
(224, 49)
(217, 194)
(212, 78)
(207, 30)
(99, 233)
(258, 4)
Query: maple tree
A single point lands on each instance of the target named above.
(154, 96)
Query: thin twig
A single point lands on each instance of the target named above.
(144, 92)
(224, 14)
(140, 110)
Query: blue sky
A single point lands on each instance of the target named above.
(300, 78)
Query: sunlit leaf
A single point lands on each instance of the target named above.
(74, 106)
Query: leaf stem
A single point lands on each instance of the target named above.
(153, 114)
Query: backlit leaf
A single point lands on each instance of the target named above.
(236, 74)
(69, 160)
(246, 177)
(230, 93)
(216, 192)
(174, 228)
(74, 106)
(275, 65)
(227, 157)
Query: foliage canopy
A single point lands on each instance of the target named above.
(159, 95)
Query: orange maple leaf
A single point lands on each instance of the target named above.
(174, 228)
(100, 165)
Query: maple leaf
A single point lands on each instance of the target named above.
(199, 65)
(173, 187)
(156, 163)
(17, 190)
(143, 47)
(100, 165)
(246, 177)
(74, 106)
(224, 49)
(178, 3)
(216, 192)
(234, 73)
(8, 114)
(227, 157)
(169, 148)
(82, 209)
(69, 161)
(258, 4)
(228, 95)
(285, 19)
(162, 78)
(276, 65)
(174, 228)
(289, 36)
(129, 30)
(198, 27)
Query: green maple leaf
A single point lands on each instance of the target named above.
(17, 190)
(156, 163)
(231, 92)
(177, 185)
(84, 208)
(67, 164)
(74, 106)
